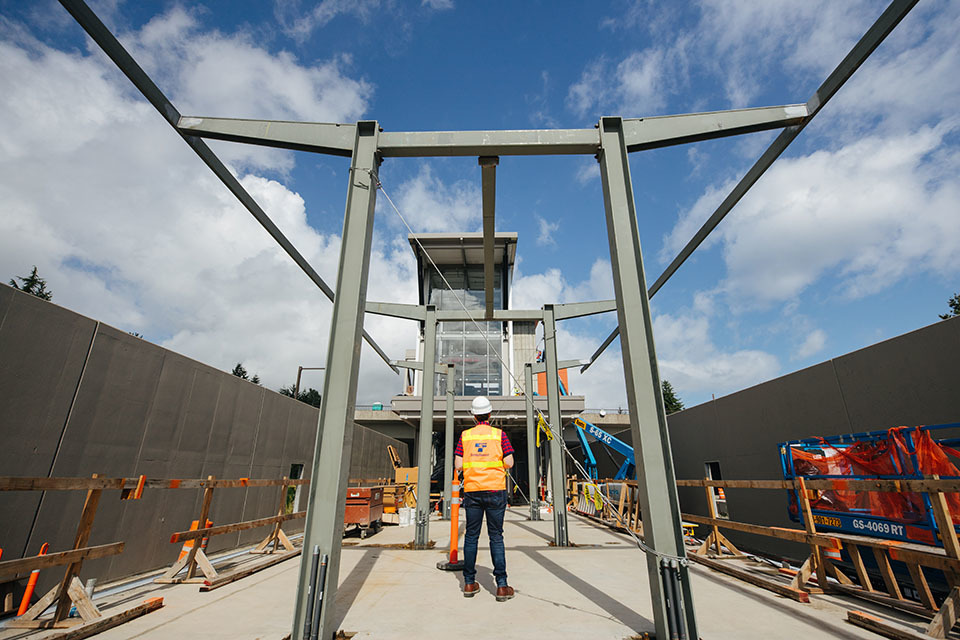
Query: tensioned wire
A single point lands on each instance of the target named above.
(516, 381)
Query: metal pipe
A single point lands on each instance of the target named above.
(678, 599)
(318, 590)
(669, 597)
(308, 619)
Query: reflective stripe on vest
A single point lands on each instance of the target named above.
(483, 459)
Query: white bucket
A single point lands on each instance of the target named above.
(406, 516)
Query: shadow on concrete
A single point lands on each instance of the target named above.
(539, 534)
(627, 616)
(350, 587)
(819, 623)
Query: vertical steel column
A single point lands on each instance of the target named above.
(448, 443)
(425, 444)
(648, 422)
(558, 476)
(532, 461)
(331, 458)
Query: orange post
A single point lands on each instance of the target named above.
(187, 545)
(31, 583)
(454, 563)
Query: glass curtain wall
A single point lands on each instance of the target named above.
(475, 351)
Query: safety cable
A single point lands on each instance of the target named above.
(515, 380)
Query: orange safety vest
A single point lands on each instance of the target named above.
(483, 459)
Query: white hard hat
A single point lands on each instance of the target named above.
(481, 406)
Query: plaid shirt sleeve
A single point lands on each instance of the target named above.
(505, 444)
(459, 450)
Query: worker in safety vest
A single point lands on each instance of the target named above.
(484, 454)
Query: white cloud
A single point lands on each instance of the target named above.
(588, 170)
(690, 360)
(870, 213)
(430, 205)
(209, 73)
(547, 231)
(638, 85)
(299, 24)
(439, 5)
(129, 228)
(812, 344)
(551, 287)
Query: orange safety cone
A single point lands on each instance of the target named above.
(454, 564)
(31, 583)
(187, 545)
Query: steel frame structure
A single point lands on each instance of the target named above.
(611, 142)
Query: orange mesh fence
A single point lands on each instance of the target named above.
(888, 456)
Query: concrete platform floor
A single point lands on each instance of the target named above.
(597, 590)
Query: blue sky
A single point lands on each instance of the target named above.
(851, 238)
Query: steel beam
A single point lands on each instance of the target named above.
(125, 62)
(648, 421)
(499, 315)
(408, 364)
(581, 309)
(531, 142)
(425, 439)
(448, 441)
(540, 367)
(557, 461)
(397, 310)
(663, 131)
(332, 452)
(488, 172)
(316, 137)
(880, 29)
(533, 462)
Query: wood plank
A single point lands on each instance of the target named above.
(920, 584)
(754, 579)
(862, 575)
(907, 606)
(181, 536)
(884, 628)
(59, 558)
(40, 605)
(946, 617)
(108, 621)
(817, 559)
(889, 580)
(204, 512)
(243, 572)
(795, 535)
(11, 483)
(205, 566)
(84, 527)
(85, 607)
(924, 485)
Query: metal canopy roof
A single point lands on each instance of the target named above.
(462, 248)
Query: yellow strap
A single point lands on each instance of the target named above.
(486, 464)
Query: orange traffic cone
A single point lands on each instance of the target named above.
(454, 564)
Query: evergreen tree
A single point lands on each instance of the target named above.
(239, 371)
(671, 401)
(311, 396)
(255, 379)
(954, 304)
(33, 284)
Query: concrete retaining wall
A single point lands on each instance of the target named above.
(913, 379)
(78, 397)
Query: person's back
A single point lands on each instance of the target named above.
(484, 453)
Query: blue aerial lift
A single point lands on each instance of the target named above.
(627, 470)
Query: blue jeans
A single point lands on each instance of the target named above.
(494, 505)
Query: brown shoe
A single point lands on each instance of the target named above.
(470, 590)
(504, 593)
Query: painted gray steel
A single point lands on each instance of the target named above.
(648, 423)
